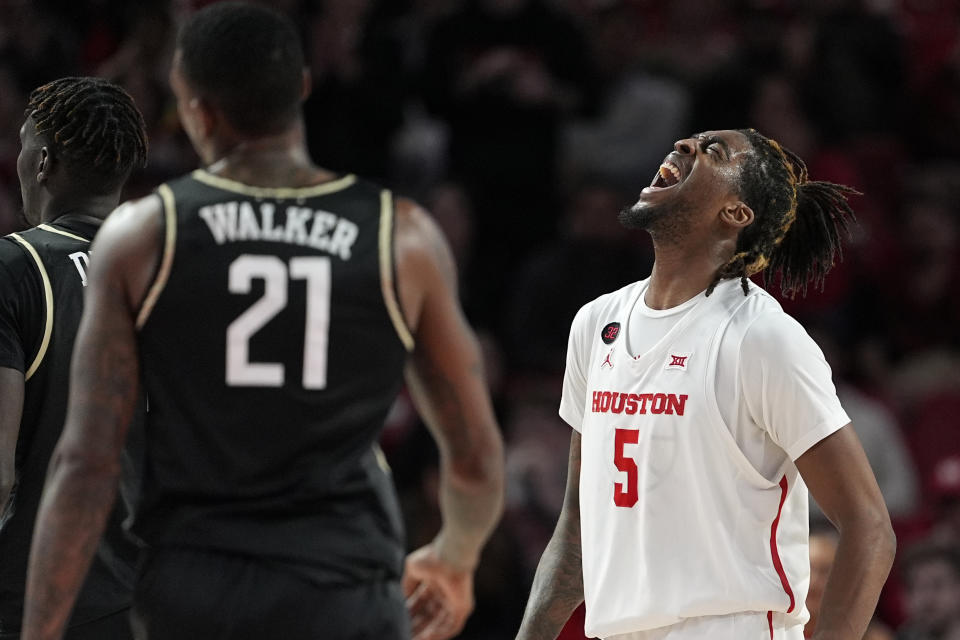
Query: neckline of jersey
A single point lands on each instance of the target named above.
(692, 308)
(73, 224)
(324, 188)
(650, 312)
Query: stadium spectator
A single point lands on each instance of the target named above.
(932, 575)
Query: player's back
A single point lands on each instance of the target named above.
(272, 348)
(45, 269)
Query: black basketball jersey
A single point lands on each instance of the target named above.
(272, 347)
(43, 273)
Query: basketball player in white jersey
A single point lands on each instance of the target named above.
(701, 415)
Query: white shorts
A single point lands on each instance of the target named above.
(749, 625)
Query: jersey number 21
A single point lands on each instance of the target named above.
(276, 277)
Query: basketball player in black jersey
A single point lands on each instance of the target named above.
(80, 140)
(272, 309)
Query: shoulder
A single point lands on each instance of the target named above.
(20, 276)
(770, 340)
(758, 314)
(133, 216)
(609, 307)
(131, 235)
(425, 268)
(760, 335)
(21, 262)
(417, 237)
(774, 330)
(14, 258)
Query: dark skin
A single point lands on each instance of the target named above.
(444, 374)
(49, 191)
(688, 254)
(558, 584)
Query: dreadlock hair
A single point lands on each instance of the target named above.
(247, 60)
(798, 224)
(94, 127)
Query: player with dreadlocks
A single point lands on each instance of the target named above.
(81, 139)
(268, 510)
(701, 415)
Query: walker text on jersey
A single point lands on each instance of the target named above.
(322, 230)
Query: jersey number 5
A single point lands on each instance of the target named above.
(276, 277)
(629, 496)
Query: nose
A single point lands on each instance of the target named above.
(687, 146)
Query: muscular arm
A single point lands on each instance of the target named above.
(445, 378)
(558, 584)
(839, 477)
(11, 411)
(85, 466)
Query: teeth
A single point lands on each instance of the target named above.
(672, 168)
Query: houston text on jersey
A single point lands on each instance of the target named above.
(632, 403)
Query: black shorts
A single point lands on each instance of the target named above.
(182, 594)
(115, 626)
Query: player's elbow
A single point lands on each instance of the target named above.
(481, 465)
(873, 528)
(84, 464)
(886, 538)
(884, 543)
(8, 476)
(6, 488)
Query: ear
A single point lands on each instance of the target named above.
(737, 214)
(44, 165)
(204, 117)
(307, 85)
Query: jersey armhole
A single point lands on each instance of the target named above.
(48, 303)
(388, 280)
(166, 259)
(720, 427)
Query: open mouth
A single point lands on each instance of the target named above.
(667, 176)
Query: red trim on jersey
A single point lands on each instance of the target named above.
(770, 623)
(773, 548)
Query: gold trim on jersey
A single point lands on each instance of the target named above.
(273, 192)
(47, 227)
(48, 299)
(381, 458)
(386, 270)
(166, 262)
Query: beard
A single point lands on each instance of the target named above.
(638, 216)
(665, 222)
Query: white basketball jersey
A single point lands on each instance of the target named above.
(676, 522)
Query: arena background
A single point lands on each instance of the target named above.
(525, 125)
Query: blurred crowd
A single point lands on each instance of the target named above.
(525, 125)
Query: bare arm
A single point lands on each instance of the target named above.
(445, 378)
(558, 584)
(85, 466)
(839, 477)
(11, 411)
